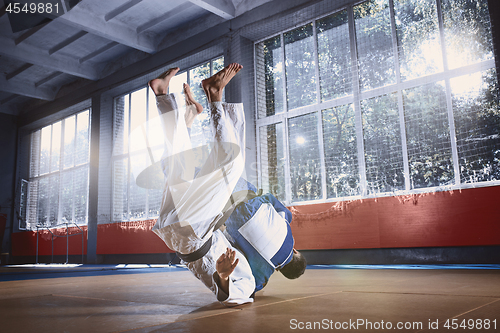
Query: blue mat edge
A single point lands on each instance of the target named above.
(33, 273)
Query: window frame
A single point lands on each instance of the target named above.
(355, 98)
(31, 218)
(128, 154)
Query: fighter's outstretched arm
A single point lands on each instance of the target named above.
(225, 266)
(233, 267)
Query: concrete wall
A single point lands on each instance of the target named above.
(8, 137)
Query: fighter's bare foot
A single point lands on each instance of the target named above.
(160, 84)
(193, 108)
(214, 85)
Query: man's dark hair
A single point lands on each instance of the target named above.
(294, 268)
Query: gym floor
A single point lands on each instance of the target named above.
(156, 298)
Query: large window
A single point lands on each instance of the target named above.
(59, 172)
(138, 143)
(379, 98)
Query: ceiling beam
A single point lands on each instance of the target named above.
(9, 99)
(97, 52)
(39, 57)
(222, 8)
(67, 41)
(163, 17)
(94, 23)
(7, 109)
(118, 10)
(25, 89)
(47, 79)
(17, 71)
(29, 33)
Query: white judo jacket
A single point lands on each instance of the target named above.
(192, 202)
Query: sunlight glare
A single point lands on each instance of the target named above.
(467, 85)
(176, 82)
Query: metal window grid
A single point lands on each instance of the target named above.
(398, 87)
(32, 218)
(127, 156)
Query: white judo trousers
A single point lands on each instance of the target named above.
(192, 204)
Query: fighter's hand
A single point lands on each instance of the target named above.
(226, 264)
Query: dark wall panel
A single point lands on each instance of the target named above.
(8, 138)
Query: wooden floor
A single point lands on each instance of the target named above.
(159, 299)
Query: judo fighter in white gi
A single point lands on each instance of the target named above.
(194, 201)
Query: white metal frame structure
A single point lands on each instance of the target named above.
(126, 214)
(355, 98)
(33, 220)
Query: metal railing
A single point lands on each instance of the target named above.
(41, 226)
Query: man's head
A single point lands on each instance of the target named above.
(296, 267)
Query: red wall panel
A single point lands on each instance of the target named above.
(454, 218)
(113, 238)
(24, 243)
(129, 238)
